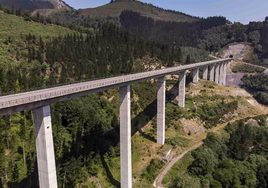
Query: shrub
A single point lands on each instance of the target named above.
(246, 68)
(152, 169)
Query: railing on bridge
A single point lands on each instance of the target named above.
(39, 100)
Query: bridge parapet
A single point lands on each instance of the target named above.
(61, 93)
(40, 100)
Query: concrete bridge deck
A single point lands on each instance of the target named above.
(39, 101)
(34, 99)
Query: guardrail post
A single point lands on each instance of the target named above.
(161, 103)
(182, 82)
(44, 148)
(205, 73)
(212, 72)
(195, 75)
(125, 137)
(217, 75)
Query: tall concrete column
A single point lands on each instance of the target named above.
(225, 64)
(44, 148)
(221, 73)
(195, 75)
(205, 73)
(211, 73)
(125, 137)
(182, 82)
(217, 71)
(161, 103)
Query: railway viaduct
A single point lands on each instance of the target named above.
(39, 102)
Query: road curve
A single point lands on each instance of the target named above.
(158, 180)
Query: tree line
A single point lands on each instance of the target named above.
(239, 160)
(181, 33)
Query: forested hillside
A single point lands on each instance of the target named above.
(111, 12)
(236, 158)
(39, 52)
(179, 33)
(43, 54)
(257, 84)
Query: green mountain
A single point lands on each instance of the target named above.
(113, 10)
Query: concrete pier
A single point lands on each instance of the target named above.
(225, 64)
(125, 137)
(212, 72)
(217, 75)
(182, 82)
(195, 75)
(221, 73)
(161, 104)
(44, 148)
(205, 73)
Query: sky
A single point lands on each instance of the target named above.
(242, 11)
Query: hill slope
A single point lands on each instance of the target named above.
(31, 5)
(113, 11)
(116, 8)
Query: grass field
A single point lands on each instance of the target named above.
(14, 26)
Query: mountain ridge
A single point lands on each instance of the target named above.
(32, 5)
(114, 9)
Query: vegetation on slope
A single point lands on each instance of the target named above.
(259, 85)
(30, 5)
(238, 159)
(178, 33)
(111, 12)
(85, 130)
(246, 68)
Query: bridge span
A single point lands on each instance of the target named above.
(39, 102)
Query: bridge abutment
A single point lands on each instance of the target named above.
(125, 137)
(45, 148)
(182, 82)
(195, 75)
(161, 104)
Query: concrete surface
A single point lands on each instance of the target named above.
(221, 70)
(234, 80)
(45, 148)
(217, 73)
(161, 104)
(34, 99)
(205, 73)
(195, 75)
(212, 73)
(125, 137)
(182, 82)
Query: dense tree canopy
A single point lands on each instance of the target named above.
(240, 161)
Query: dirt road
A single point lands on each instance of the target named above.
(158, 180)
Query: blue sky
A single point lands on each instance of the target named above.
(234, 10)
